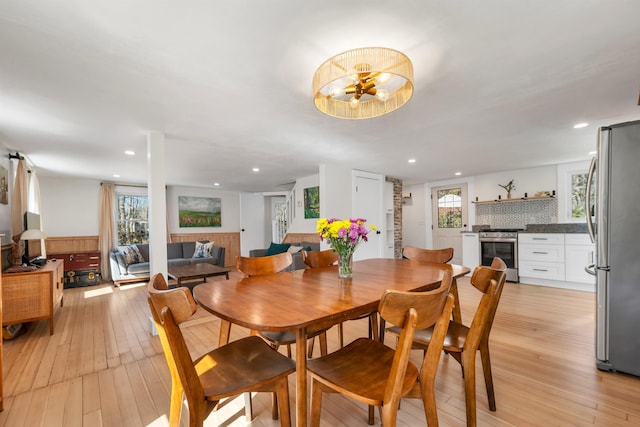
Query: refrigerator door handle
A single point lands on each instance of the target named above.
(587, 208)
(591, 269)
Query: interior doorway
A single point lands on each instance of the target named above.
(450, 218)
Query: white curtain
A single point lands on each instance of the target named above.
(106, 235)
(19, 202)
(34, 205)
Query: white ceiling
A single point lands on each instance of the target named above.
(498, 86)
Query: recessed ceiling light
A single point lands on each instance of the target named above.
(216, 184)
(130, 153)
(580, 125)
(593, 153)
(458, 173)
(115, 175)
(412, 160)
(256, 169)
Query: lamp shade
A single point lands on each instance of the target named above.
(363, 83)
(33, 235)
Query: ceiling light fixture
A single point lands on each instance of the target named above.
(256, 169)
(130, 153)
(458, 173)
(580, 125)
(363, 83)
(411, 161)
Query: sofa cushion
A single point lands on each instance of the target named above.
(139, 268)
(174, 250)
(202, 250)
(295, 249)
(178, 261)
(277, 248)
(310, 246)
(144, 250)
(209, 260)
(131, 255)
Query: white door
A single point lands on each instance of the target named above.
(252, 229)
(449, 207)
(368, 204)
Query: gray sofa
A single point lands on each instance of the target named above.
(295, 253)
(179, 253)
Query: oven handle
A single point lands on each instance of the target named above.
(498, 239)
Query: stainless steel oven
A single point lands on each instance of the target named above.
(501, 243)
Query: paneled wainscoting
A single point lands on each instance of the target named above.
(102, 367)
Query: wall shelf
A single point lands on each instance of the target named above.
(514, 199)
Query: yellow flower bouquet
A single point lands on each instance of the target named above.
(344, 236)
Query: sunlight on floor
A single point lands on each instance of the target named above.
(99, 291)
(132, 286)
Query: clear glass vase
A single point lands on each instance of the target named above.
(345, 265)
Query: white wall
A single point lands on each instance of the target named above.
(69, 206)
(528, 181)
(413, 216)
(300, 224)
(335, 191)
(230, 209)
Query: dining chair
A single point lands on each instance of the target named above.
(259, 266)
(441, 256)
(372, 373)
(316, 259)
(242, 366)
(462, 342)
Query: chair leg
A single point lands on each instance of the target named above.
(469, 372)
(373, 326)
(316, 403)
(488, 378)
(175, 406)
(372, 415)
(248, 407)
(323, 343)
(282, 390)
(341, 335)
(310, 348)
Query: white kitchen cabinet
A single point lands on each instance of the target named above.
(541, 256)
(579, 253)
(556, 259)
(470, 250)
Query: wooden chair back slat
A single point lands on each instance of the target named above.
(440, 256)
(260, 266)
(317, 259)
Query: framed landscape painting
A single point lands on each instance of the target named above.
(312, 202)
(199, 211)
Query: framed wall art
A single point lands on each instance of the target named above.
(4, 186)
(199, 211)
(312, 202)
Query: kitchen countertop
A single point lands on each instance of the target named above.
(579, 227)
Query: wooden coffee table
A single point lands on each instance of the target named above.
(196, 271)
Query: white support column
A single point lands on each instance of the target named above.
(157, 203)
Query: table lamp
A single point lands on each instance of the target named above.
(34, 234)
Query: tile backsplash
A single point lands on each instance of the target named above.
(517, 213)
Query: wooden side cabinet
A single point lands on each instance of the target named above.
(33, 295)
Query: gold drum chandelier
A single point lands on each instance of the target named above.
(363, 83)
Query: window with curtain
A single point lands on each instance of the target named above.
(132, 218)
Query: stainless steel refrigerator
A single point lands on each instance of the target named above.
(615, 229)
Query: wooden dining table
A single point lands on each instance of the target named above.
(313, 299)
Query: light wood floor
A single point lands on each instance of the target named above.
(102, 367)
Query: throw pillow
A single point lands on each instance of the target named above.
(131, 255)
(203, 250)
(277, 248)
(294, 249)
